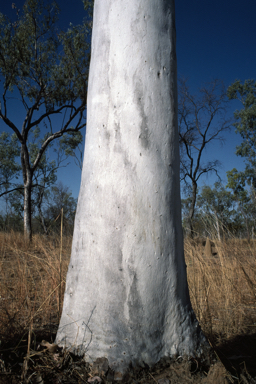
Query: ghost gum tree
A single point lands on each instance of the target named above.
(126, 292)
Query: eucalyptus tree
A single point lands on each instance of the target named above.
(202, 120)
(245, 124)
(243, 183)
(126, 295)
(45, 70)
(244, 195)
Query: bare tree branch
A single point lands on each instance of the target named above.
(202, 119)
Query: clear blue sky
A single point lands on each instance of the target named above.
(215, 39)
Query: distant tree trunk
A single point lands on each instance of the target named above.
(246, 221)
(192, 210)
(27, 212)
(126, 293)
(39, 207)
(27, 179)
(217, 225)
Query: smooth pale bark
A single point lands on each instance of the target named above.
(27, 180)
(27, 211)
(192, 209)
(126, 291)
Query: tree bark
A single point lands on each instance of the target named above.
(27, 211)
(27, 179)
(192, 209)
(126, 292)
(217, 225)
(39, 207)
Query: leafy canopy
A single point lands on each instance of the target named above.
(44, 76)
(47, 66)
(245, 124)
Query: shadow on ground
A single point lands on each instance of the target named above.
(236, 363)
(239, 354)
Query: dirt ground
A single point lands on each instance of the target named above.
(53, 368)
(47, 364)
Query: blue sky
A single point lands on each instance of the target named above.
(215, 39)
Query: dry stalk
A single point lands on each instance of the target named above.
(60, 272)
(25, 364)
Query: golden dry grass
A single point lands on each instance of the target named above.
(223, 287)
(31, 288)
(222, 290)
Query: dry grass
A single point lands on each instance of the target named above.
(222, 289)
(30, 283)
(223, 294)
(223, 286)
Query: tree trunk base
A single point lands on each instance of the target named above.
(176, 370)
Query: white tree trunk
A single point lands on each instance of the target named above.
(126, 292)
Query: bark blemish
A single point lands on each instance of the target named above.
(144, 132)
(106, 134)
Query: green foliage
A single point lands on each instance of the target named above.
(46, 217)
(236, 181)
(243, 183)
(245, 124)
(220, 212)
(46, 71)
(47, 66)
(9, 168)
(198, 221)
(217, 201)
(10, 222)
(29, 49)
(71, 146)
(217, 208)
(244, 197)
(88, 6)
(59, 197)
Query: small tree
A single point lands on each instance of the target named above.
(198, 223)
(46, 70)
(217, 208)
(202, 119)
(58, 197)
(244, 196)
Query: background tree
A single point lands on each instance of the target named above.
(217, 208)
(202, 119)
(47, 70)
(245, 124)
(58, 197)
(243, 183)
(198, 221)
(45, 177)
(244, 195)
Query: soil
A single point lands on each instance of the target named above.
(47, 364)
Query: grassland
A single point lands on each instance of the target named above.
(222, 283)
